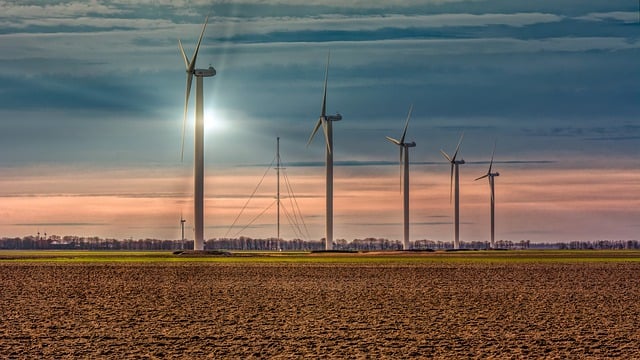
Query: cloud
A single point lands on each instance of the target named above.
(422, 223)
(349, 163)
(88, 25)
(60, 224)
(368, 23)
(356, 163)
(614, 138)
(72, 9)
(126, 195)
(364, 3)
(622, 16)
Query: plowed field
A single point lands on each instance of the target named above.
(218, 310)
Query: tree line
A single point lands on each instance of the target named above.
(53, 242)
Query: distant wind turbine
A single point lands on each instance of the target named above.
(491, 176)
(326, 122)
(454, 169)
(182, 221)
(198, 197)
(404, 162)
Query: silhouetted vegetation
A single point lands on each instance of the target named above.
(53, 242)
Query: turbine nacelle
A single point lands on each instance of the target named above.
(336, 117)
(204, 72)
(411, 144)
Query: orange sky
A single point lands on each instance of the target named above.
(537, 203)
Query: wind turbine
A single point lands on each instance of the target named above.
(326, 122)
(182, 221)
(404, 162)
(454, 169)
(198, 165)
(491, 176)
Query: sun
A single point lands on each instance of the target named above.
(214, 121)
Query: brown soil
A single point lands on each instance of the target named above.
(512, 311)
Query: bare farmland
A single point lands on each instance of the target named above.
(183, 310)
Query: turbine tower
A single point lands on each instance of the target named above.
(326, 122)
(198, 165)
(278, 168)
(454, 171)
(491, 176)
(404, 163)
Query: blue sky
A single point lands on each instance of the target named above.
(95, 86)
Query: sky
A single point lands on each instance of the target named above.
(92, 101)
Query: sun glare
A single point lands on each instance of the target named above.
(214, 121)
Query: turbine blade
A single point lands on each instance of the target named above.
(192, 64)
(324, 92)
(184, 124)
(184, 56)
(393, 140)
(492, 153)
(315, 130)
(445, 155)
(187, 93)
(455, 154)
(481, 177)
(406, 124)
(184, 121)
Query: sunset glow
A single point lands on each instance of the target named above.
(554, 207)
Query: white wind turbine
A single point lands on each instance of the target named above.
(198, 166)
(456, 212)
(182, 221)
(491, 176)
(326, 122)
(404, 162)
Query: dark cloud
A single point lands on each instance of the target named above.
(610, 132)
(565, 27)
(54, 92)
